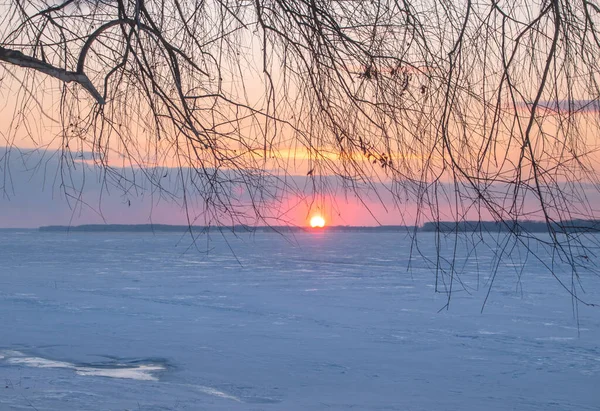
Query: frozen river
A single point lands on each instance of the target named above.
(313, 321)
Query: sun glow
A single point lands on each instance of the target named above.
(317, 222)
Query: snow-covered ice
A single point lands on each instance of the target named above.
(312, 321)
(144, 372)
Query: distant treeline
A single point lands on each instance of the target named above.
(569, 226)
(142, 228)
(118, 228)
(442, 226)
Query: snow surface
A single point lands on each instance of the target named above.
(134, 372)
(311, 321)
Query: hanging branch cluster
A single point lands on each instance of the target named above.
(479, 109)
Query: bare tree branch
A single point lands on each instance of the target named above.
(17, 58)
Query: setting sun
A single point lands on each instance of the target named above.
(317, 222)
